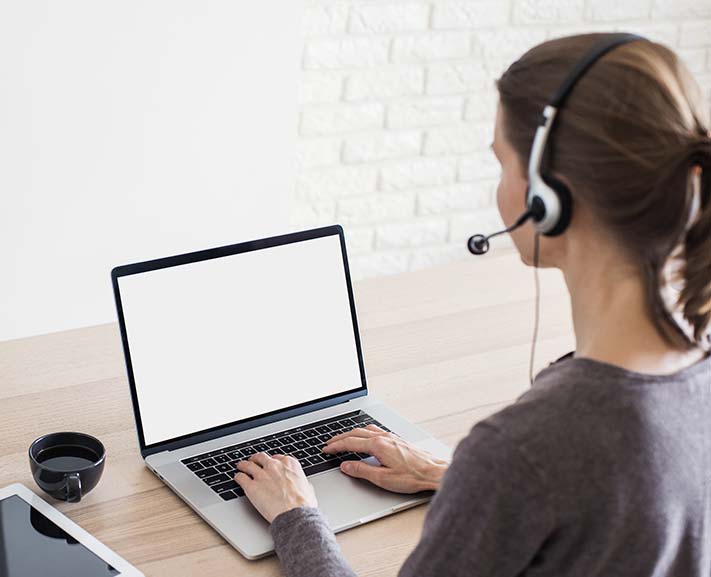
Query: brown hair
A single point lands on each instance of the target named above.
(629, 139)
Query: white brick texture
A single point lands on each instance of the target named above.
(382, 17)
(424, 112)
(363, 148)
(397, 112)
(410, 234)
(551, 11)
(471, 14)
(385, 83)
(431, 47)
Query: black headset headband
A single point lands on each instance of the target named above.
(593, 55)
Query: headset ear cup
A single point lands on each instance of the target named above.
(566, 205)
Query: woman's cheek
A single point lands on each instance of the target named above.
(506, 201)
(511, 201)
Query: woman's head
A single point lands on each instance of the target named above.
(633, 144)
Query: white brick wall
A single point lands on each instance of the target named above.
(398, 104)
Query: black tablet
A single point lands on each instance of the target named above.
(37, 540)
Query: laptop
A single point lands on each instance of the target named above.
(246, 348)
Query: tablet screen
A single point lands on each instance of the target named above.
(32, 545)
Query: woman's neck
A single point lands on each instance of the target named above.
(611, 320)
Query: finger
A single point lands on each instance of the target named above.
(375, 428)
(243, 480)
(252, 469)
(361, 470)
(288, 461)
(357, 444)
(260, 458)
(352, 433)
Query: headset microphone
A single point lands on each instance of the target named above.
(479, 243)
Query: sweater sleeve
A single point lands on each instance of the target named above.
(306, 545)
(490, 516)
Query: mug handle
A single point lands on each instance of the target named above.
(73, 488)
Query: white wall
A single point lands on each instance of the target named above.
(131, 130)
(398, 109)
(136, 129)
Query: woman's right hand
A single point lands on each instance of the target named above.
(404, 468)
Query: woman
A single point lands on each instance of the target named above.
(604, 466)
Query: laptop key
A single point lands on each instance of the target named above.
(215, 479)
(304, 463)
(349, 457)
(323, 429)
(286, 439)
(203, 473)
(273, 444)
(239, 491)
(313, 451)
(325, 466)
(360, 418)
(316, 459)
(222, 458)
(208, 462)
(222, 487)
(314, 442)
(298, 436)
(288, 449)
(329, 456)
(224, 467)
(194, 466)
(324, 438)
(261, 447)
(334, 427)
(301, 444)
(347, 422)
(311, 432)
(247, 451)
(300, 454)
(228, 495)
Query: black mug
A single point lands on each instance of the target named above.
(67, 465)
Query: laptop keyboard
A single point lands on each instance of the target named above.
(217, 468)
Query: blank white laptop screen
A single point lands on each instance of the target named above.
(221, 340)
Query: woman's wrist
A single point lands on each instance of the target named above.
(435, 472)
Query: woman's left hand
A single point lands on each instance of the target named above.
(275, 484)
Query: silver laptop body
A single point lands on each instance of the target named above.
(233, 347)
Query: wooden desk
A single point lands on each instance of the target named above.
(446, 347)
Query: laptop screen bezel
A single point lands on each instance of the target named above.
(257, 420)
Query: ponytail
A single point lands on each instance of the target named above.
(695, 297)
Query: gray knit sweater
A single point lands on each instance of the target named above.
(596, 471)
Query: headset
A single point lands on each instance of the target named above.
(548, 199)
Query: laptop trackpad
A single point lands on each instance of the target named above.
(345, 501)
